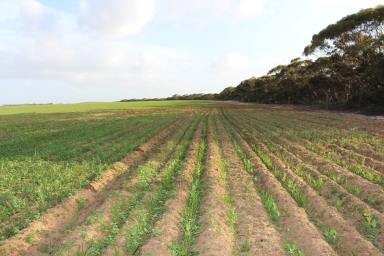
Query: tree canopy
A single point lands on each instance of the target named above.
(349, 70)
(367, 21)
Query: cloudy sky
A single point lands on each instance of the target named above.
(103, 50)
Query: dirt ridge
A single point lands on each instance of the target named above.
(168, 228)
(258, 231)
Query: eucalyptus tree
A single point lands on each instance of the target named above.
(346, 67)
(356, 44)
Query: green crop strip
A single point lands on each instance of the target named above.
(292, 249)
(189, 223)
(370, 227)
(330, 234)
(267, 199)
(228, 199)
(138, 234)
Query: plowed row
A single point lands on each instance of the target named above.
(230, 180)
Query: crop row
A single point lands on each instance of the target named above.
(30, 184)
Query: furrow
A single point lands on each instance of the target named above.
(216, 237)
(255, 234)
(167, 229)
(294, 220)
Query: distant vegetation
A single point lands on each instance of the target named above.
(194, 96)
(349, 71)
(100, 106)
(344, 67)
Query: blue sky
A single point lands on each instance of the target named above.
(99, 50)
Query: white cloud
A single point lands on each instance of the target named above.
(348, 6)
(44, 43)
(84, 61)
(230, 62)
(230, 68)
(193, 9)
(32, 8)
(117, 18)
(36, 20)
(248, 9)
(204, 11)
(349, 3)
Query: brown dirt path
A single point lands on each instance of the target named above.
(167, 229)
(49, 229)
(253, 227)
(216, 237)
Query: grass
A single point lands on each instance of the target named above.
(370, 226)
(102, 106)
(329, 233)
(224, 165)
(292, 249)
(138, 233)
(228, 200)
(270, 206)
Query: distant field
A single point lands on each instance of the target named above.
(82, 107)
(189, 177)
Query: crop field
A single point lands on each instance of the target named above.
(190, 178)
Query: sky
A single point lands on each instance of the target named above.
(64, 51)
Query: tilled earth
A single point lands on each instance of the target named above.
(231, 180)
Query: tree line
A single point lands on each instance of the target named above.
(342, 66)
(348, 71)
